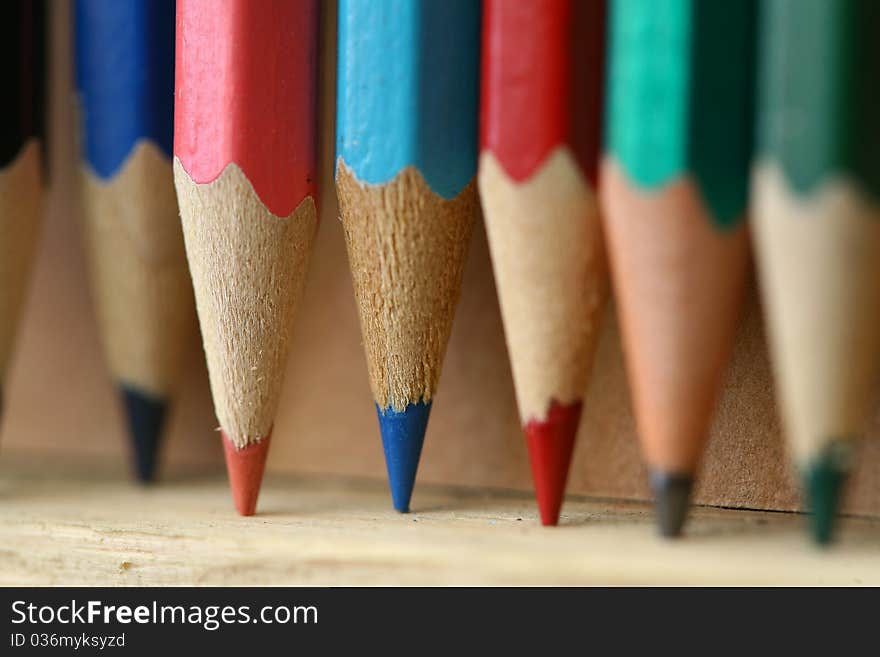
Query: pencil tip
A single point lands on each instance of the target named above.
(824, 481)
(672, 494)
(551, 443)
(402, 437)
(245, 468)
(146, 419)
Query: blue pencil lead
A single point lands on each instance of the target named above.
(402, 437)
(146, 418)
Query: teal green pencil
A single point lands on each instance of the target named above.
(816, 221)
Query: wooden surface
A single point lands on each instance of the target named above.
(474, 438)
(78, 526)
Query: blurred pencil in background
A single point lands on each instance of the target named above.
(22, 154)
(406, 135)
(817, 229)
(541, 104)
(245, 161)
(143, 295)
(674, 188)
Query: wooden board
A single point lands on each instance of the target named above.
(88, 526)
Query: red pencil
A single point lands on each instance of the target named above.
(244, 167)
(542, 80)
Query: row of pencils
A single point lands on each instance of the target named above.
(633, 138)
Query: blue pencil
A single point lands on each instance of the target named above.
(406, 159)
(143, 297)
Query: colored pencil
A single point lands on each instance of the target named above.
(816, 222)
(245, 167)
(22, 75)
(541, 104)
(406, 158)
(140, 281)
(673, 194)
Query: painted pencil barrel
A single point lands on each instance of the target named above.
(246, 86)
(680, 97)
(124, 78)
(408, 91)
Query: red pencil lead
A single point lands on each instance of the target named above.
(551, 443)
(245, 469)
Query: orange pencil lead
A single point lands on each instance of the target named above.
(245, 468)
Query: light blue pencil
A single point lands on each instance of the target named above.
(406, 160)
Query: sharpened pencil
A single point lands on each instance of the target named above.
(816, 224)
(673, 193)
(541, 103)
(143, 295)
(406, 135)
(245, 167)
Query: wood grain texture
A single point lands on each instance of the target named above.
(679, 283)
(248, 269)
(549, 263)
(21, 205)
(84, 527)
(140, 279)
(821, 279)
(407, 248)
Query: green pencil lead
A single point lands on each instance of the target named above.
(824, 480)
